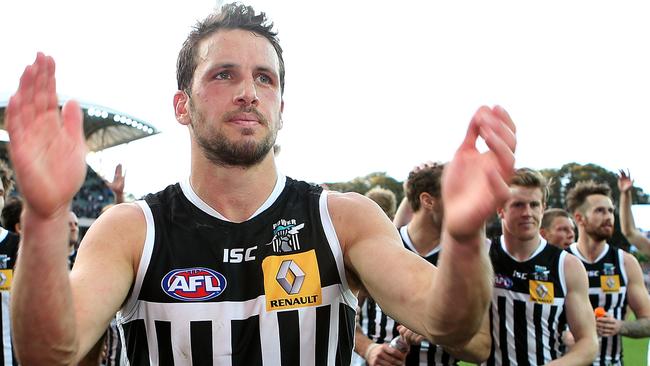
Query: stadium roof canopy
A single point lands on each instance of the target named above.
(103, 127)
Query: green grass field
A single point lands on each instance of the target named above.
(635, 352)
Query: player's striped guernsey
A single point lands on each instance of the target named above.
(607, 289)
(381, 328)
(268, 291)
(8, 253)
(527, 310)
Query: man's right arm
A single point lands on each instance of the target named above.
(83, 301)
(580, 316)
(58, 316)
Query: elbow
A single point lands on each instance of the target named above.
(592, 348)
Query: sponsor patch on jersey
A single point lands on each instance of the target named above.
(292, 281)
(6, 277)
(541, 291)
(502, 281)
(610, 283)
(193, 284)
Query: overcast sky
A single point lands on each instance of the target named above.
(370, 86)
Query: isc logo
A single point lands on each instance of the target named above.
(193, 284)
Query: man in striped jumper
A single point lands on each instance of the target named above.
(615, 276)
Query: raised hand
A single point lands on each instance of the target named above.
(625, 181)
(475, 183)
(47, 147)
(117, 185)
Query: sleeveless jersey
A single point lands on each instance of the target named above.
(607, 289)
(527, 311)
(381, 328)
(8, 253)
(268, 291)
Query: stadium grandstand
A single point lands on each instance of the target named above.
(103, 128)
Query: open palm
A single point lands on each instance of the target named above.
(475, 183)
(47, 147)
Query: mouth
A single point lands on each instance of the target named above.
(244, 119)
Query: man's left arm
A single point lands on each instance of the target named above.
(639, 302)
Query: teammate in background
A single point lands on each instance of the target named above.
(11, 214)
(628, 227)
(243, 265)
(538, 288)
(615, 277)
(385, 198)
(8, 253)
(557, 228)
(422, 236)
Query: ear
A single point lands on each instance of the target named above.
(426, 201)
(542, 232)
(579, 217)
(280, 122)
(500, 212)
(181, 107)
(19, 230)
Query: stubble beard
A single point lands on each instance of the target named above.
(599, 234)
(221, 151)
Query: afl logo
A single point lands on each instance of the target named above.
(193, 284)
(502, 281)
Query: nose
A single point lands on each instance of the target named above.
(247, 94)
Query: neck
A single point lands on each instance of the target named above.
(589, 247)
(424, 234)
(234, 192)
(521, 249)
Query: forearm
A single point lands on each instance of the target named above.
(42, 308)
(638, 328)
(627, 219)
(462, 291)
(583, 352)
(361, 342)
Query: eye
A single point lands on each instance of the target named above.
(264, 79)
(223, 75)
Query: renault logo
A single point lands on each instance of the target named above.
(290, 277)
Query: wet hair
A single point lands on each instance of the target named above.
(230, 17)
(428, 179)
(385, 198)
(577, 196)
(530, 178)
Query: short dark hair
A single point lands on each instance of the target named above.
(427, 179)
(11, 213)
(232, 16)
(530, 178)
(551, 214)
(577, 195)
(7, 177)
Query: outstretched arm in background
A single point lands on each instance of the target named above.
(117, 185)
(628, 227)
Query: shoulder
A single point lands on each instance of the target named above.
(121, 228)
(574, 270)
(356, 217)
